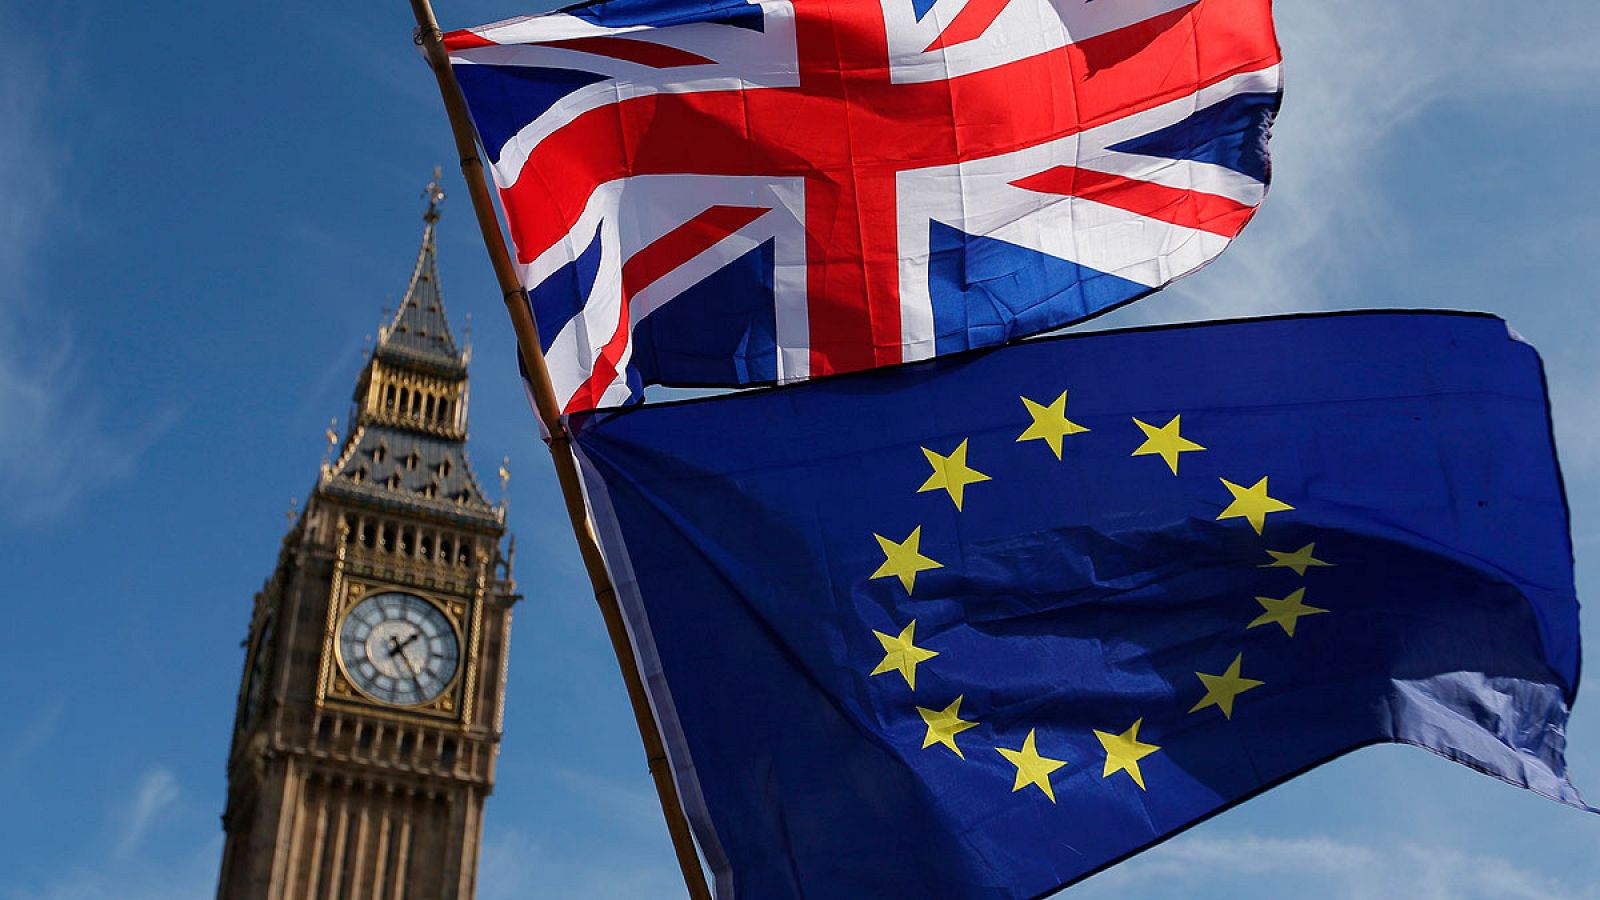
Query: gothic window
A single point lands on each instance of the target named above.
(429, 413)
(379, 452)
(425, 545)
(408, 745)
(388, 537)
(444, 468)
(394, 481)
(445, 546)
(368, 533)
(430, 490)
(407, 541)
(447, 751)
(359, 475)
(388, 398)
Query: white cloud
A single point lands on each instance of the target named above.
(126, 864)
(1356, 74)
(622, 805)
(189, 876)
(36, 733)
(633, 859)
(516, 865)
(156, 793)
(55, 444)
(1321, 868)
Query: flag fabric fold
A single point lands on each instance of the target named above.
(717, 192)
(987, 624)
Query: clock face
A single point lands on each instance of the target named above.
(398, 648)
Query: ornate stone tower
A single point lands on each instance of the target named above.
(369, 715)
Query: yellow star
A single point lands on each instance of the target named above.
(1050, 423)
(901, 654)
(1299, 560)
(944, 725)
(1123, 752)
(1285, 612)
(1031, 767)
(1251, 503)
(1165, 442)
(950, 473)
(904, 560)
(1222, 689)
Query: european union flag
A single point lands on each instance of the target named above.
(984, 625)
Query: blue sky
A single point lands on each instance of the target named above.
(205, 212)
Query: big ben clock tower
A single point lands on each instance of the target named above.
(369, 716)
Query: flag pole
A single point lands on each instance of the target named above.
(544, 399)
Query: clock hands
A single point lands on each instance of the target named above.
(396, 646)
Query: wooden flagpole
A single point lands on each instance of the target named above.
(544, 398)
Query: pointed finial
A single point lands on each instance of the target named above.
(505, 479)
(332, 436)
(434, 194)
(294, 503)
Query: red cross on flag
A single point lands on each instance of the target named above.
(723, 193)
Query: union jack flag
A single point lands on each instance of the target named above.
(716, 192)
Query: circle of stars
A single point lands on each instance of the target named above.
(952, 473)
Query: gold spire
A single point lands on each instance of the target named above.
(418, 327)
